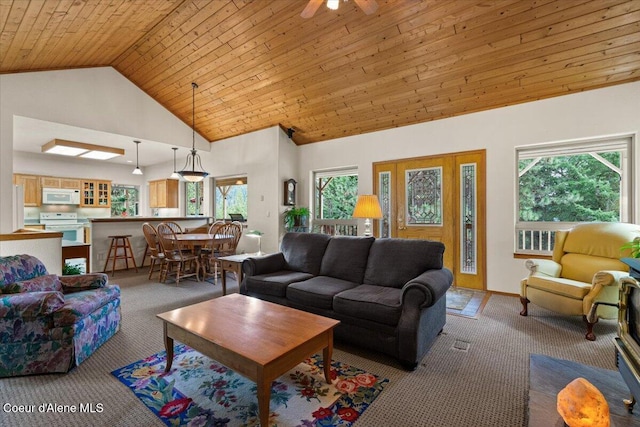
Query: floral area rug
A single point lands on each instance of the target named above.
(199, 391)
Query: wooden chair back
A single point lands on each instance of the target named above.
(233, 230)
(151, 236)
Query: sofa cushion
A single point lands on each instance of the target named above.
(48, 282)
(274, 283)
(393, 262)
(318, 291)
(17, 268)
(80, 304)
(382, 304)
(346, 258)
(304, 251)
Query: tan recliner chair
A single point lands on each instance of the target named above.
(585, 268)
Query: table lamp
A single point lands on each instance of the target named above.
(258, 235)
(367, 207)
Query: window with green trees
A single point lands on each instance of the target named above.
(124, 200)
(231, 197)
(560, 185)
(335, 196)
(194, 194)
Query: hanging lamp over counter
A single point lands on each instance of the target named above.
(175, 174)
(189, 171)
(137, 170)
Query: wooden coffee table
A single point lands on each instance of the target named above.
(258, 339)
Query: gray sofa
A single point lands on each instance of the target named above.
(389, 294)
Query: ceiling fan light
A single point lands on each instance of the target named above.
(333, 4)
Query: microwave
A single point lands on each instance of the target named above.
(60, 196)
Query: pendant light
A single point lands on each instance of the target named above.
(137, 170)
(189, 171)
(175, 174)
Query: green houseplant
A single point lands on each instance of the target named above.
(69, 270)
(634, 246)
(295, 217)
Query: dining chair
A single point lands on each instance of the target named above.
(210, 266)
(230, 232)
(177, 229)
(175, 254)
(155, 250)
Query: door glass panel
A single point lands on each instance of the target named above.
(468, 217)
(424, 196)
(384, 184)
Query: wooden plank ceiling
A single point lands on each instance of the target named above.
(339, 73)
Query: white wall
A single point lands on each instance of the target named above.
(608, 111)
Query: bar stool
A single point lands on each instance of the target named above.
(120, 242)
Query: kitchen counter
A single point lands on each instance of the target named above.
(150, 219)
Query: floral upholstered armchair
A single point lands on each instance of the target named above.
(51, 323)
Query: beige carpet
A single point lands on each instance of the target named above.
(475, 375)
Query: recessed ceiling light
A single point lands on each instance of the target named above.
(72, 148)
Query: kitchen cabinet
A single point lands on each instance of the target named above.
(32, 189)
(55, 182)
(95, 194)
(163, 193)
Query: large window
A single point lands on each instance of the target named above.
(124, 200)
(560, 185)
(335, 196)
(231, 198)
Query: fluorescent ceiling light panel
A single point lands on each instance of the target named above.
(99, 155)
(72, 148)
(65, 151)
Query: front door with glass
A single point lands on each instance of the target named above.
(438, 198)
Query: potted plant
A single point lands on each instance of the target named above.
(634, 246)
(296, 217)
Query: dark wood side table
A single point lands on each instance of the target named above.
(232, 263)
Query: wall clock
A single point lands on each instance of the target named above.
(290, 192)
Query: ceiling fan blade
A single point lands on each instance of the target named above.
(367, 6)
(311, 8)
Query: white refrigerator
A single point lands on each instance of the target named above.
(18, 207)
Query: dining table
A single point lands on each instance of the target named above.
(198, 240)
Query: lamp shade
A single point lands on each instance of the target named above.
(367, 206)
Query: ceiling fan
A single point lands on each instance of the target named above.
(367, 6)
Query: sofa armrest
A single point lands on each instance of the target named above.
(427, 288)
(30, 304)
(263, 265)
(544, 267)
(81, 282)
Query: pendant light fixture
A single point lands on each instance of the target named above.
(175, 174)
(137, 170)
(189, 171)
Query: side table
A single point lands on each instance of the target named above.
(232, 263)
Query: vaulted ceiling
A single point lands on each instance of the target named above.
(340, 73)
